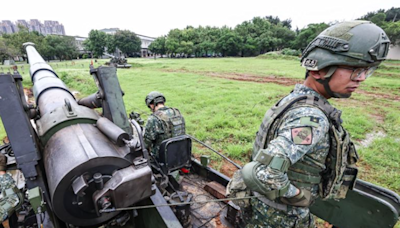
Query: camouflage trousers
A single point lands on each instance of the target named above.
(264, 216)
(9, 199)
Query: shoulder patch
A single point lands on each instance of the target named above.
(310, 121)
(302, 135)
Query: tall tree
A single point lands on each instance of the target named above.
(61, 46)
(6, 52)
(127, 41)
(393, 14)
(307, 34)
(23, 35)
(392, 29)
(189, 40)
(283, 36)
(369, 15)
(254, 35)
(96, 42)
(158, 46)
(110, 43)
(207, 39)
(173, 41)
(246, 32)
(378, 19)
(229, 42)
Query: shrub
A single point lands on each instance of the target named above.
(288, 51)
(277, 55)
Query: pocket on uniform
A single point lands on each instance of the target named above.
(352, 155)
(349, 180)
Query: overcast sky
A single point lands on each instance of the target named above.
(157, 17)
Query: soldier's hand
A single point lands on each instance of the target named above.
(136, 116)
(3, 162)
(303, 199)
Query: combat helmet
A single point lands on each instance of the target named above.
(351, 43)
(154, 97)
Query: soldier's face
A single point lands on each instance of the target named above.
(341, 81)
(152, 107)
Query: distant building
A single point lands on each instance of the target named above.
(110, 31)
(8, 27)
(79, 44)
(22, 22)
(48, 28)
(394, 52)
(146, 41)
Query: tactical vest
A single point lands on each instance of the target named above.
(173, 125)
(340, 172)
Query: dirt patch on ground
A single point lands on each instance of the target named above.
(225, 168)
(228, 169)
(379, 95)
(272, 79)
(388, 75)
(379, 118)
(245, 77)
(259, 79)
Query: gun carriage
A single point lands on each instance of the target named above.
(119, 62)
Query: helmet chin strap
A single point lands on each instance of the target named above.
(152, 109)
(325, 83)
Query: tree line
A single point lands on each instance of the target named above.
(99, 42)
(50, 46)
(258, 36)
(250, 38)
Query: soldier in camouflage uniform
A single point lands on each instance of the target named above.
(9, 198)
(164, 122)
(301, 150)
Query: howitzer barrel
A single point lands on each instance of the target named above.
(76, 151)
(109, 55)
(49, 91)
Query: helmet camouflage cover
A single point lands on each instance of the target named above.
(154, 97)
(351, 43)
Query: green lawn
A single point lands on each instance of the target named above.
(224, 100)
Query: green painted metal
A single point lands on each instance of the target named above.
(62, 117)
(36, 200)
(204, 159)
(113, 96)
(358, 210)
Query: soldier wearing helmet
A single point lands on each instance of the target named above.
(164, 122)
(301, 150)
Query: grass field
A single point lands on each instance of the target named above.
(224, 100)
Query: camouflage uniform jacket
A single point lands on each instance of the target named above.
(9, 199)
(312, 147)
(157, 129)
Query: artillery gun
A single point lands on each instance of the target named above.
(119, 62)
(80, 168)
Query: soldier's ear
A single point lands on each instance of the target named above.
(319, 74)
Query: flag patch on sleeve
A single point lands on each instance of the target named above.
(302, 135)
